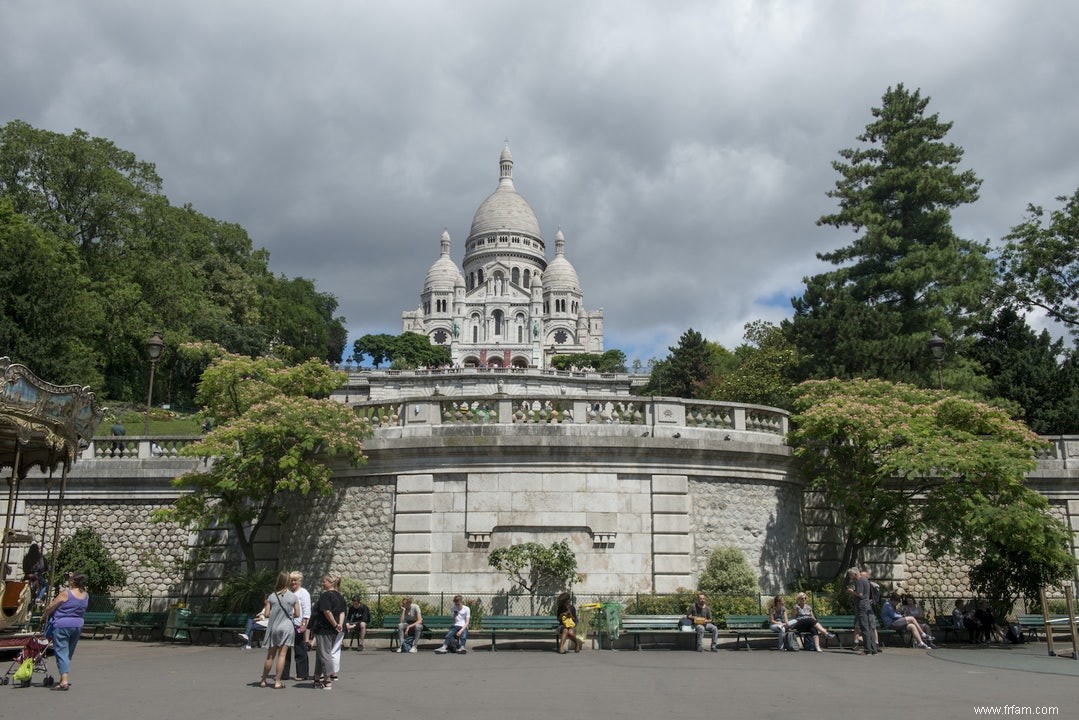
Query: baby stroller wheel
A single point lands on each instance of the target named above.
(49, 681)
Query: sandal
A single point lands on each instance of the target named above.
(262, 683)
(278, 686)
(60, 687)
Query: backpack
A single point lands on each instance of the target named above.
(1014, 634)
(874, 593)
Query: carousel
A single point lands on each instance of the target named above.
(44, 427)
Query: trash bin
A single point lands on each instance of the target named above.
(612, 619)
(176, 624)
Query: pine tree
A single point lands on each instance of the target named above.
(907, 272)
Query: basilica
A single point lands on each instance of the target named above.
(506, 306)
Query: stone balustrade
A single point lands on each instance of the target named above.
(135, 447)
(666, 417)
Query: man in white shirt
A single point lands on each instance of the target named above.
(299, 649)
(458, 632)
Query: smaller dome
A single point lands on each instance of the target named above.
(560, 275)
(444, 274)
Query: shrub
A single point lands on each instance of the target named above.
(351, 587)
(245, 592)
(727, 573)
(84, 552)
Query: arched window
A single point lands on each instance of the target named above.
(515, 276)
(479, 276)
(497, 316)
(471, 280)
(528, 278)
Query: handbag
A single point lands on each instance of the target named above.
(567, 622)
(50, 628)
(25, 671)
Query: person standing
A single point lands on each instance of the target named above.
(299, 649)
(701, 616)
(328, 627)
(282, 608)
(859, 589)
(457, 635)
(67, 610)
(118, 431)
(409, 627)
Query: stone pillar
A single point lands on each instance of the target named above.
(671, 542)
(412, 526)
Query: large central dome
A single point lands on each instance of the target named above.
(505, 210)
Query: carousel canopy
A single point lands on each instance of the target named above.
(42, 425)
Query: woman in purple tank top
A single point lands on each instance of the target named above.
(67, 610)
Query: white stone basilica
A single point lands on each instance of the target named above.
(510, 307)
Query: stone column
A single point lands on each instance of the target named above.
(671, 542)
(412, 526)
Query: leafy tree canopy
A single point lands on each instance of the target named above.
(611, 361)
(1031, 370)
(685, 372)
(1040, 261)
(405, 351)
(276, 430)
(898, 462)
(123, 262)
(536, 568)
(907, 272)
(763, 370)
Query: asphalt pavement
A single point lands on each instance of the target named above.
(127, 679)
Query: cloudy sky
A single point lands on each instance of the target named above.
(684, 147)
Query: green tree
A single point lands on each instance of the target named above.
(276, 430)
(1017, 549)
(537, 568)
(1040, 263)
(763, 372)
(907, 272)
(405, 351)
(85, 552)
(1030, 369)
(686, 371)
(611, 361)
(728, 573)
(45, 304)
(898, 462)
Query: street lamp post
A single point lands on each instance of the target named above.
(154, 346)
(936, 347)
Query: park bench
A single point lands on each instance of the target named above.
(653, 628)
(519, 626)
(203, 622)
(836, 624)
(142, 622)
(744, 627)
(431, 624)
(95, 622)
(232, 624)
(945, 626)
(1034, 625)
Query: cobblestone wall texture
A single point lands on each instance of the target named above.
(150, 553)
(761, 519)
(349, 533)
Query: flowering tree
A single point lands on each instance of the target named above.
(276, 431)
(900, 462)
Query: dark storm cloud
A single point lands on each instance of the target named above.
(684, 148)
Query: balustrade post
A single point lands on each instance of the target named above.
(505, 410)
(738, 418)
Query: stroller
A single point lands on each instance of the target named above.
(33, 652)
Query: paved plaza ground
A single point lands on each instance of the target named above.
(125, 679)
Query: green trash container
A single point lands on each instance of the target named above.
(612, 619)
(176, 624)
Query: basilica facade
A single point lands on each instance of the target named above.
(506, 305)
